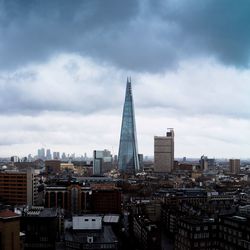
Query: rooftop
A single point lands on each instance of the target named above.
(7, 214)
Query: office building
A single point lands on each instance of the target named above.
(56, 155)
(234, 166)
(97, 162)
(102, 161)
(128, 153)
(14, 158)
(18, 188)
(164, 152)
(48, 154)
(41, 153)
(204, 163)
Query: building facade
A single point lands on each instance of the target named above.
(18, 188)
(9, 230)
(77, 199)
(234, 166)
(102, 161)
(128, 153)
(164, 152)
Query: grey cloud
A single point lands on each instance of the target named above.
(221, 28)
(139, 36)
(63, 85)
(34, 30)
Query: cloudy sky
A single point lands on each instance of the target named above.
(64, 64)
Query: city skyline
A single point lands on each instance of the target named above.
(63, 66)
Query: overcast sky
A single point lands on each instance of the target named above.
(64, 64)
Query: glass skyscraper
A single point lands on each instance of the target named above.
(128, 153)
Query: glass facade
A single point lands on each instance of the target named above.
(128, 153)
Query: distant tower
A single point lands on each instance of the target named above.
(48, 154)
(164, 152)
(128, 153)
(234, 166)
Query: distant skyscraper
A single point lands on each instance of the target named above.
(56, 155)
(128, 153)
(41, 153)
(48, 154)
(164, 152)
(204, 163)
(234, 166)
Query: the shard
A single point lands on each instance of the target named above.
(128, 160)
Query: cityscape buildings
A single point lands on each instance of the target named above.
(164, 152)
(128, 151)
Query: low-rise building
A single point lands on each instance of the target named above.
(147, 234)
(9, 230)
(88, 232)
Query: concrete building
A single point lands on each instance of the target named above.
(234, 166)
(9, 230)
(164, 152)
(102, 161)
(18, 188)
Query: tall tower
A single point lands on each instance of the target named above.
(128, 153)
(164, 152)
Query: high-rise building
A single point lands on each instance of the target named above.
(102, 161)
(234, 166)
(204, 163)
(56, 155)
(14, 159)
(128, 153)
(164, 152)
(41, 153)
(19, 187)
(48, 154)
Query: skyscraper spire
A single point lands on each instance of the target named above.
(128, 153)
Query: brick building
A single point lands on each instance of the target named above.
(18, 188)
(77, 198)
(9, 230)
